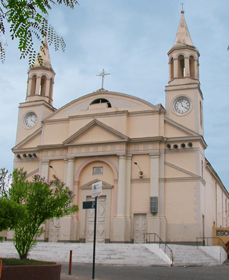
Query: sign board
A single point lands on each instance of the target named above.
(97, 189)
(88, 204)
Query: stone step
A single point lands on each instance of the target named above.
(191, 255)
(113, 253)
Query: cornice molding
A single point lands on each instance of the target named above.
(36, 103)
(140, 180)
(32, 173)
(182, 179)
(182, 170)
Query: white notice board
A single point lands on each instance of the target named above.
(97, 189)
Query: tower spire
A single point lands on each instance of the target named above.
(44, 54)
(183, 56)
(183, 37)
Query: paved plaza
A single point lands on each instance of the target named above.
(83, 272)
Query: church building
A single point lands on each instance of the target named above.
(150, 158)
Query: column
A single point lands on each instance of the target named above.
(47, 87)
(175, 67)
(186, 67)
(29, 87)
(70, 168)
(119, 226)
(44, 172)
(38, 85)
(128, 195)
(121, 187)
(70, 173)
(161, 202)
(196, 69)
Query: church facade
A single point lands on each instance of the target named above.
(150, 159)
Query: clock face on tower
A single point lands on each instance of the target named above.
(182, 105)
(30, 120)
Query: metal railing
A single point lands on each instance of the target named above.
(208, 241)
(154, 238)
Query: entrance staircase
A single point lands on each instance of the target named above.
(113, 254)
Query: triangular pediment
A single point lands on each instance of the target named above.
(94, 132)
(88, 186)
(174, 129)
(31, 141)
(174, 171)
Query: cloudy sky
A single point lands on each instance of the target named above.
(129, 39)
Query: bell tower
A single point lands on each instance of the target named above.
(183, 95)
(41, 78)
(39, 96)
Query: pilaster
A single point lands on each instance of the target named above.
(154, 174)
(45, 169)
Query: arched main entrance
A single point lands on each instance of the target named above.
(91, 171)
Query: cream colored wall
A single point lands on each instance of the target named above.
(181, 211)
(28, 165)
(144, 163)
(96, 134)
(55, 133)
(140, 193)
(59, 167)
(118, 122)
(186, 159)
(143, 126)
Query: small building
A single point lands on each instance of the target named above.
(150, 159)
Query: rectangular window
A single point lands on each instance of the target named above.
(153, 204)
(97, 170)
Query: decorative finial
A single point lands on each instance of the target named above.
(182, 11)
(103, 74)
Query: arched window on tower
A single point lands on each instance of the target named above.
(43, 85)
(181, 69)
(171, 64)
(33, 86)
(191, 66)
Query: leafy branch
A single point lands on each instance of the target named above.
(28, 21)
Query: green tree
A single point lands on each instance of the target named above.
(10, 211)
(42, 200)
(28, 19)
(10, 214)
(5, 178)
